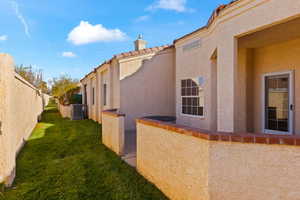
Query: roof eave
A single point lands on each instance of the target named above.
(211, 19)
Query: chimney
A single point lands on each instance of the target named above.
(140, 43)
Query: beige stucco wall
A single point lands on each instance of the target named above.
(241, 18)
(46, 99)
(87, 96)
(18, 98)
(7, 142)
(91, 82)
(150, 90)
(131, 87)
(186, 167)
(30, 105)
(195, 63)
(107, 74)
(65, 111)
(253, 171)
(92, 103)
(116, 85)
(106, 80)
(132, 65)
(113, 133)
(176, 164)
(84, 96)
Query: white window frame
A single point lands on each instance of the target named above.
(181, 101)
(291, 102)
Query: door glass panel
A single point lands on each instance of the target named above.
(277, 103)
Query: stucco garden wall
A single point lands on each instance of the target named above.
(20, 106)
(46, 98)
(65, 111)
(192, 164)
(176, 164)
(113, 133)
(239, 171)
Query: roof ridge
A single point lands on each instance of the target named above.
(144, 50)
(131, 54)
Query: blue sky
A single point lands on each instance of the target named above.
(74, 36)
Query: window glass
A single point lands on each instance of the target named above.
(192, 97)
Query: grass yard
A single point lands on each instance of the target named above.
(65, 160)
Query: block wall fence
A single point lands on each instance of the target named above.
(113, 131)
(21, 104)
(65, 111)
(191, 164)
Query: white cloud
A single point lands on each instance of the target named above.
(3, 37)
(19, 15)
(86, 33)
(180, 22)
(142, 18)
(177, 5)
(68, 54)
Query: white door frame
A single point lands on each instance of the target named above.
(291, 102)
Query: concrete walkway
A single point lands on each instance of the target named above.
(130, 148)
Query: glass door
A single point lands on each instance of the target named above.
(278, 104)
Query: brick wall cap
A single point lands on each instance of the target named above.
(255, 138)
(113, 112)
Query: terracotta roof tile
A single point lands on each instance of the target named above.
(141, 52)
(131, 54)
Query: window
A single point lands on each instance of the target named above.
(93, 96)
(192, 97)
(104, 94)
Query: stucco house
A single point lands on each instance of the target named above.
(136, 83)
(237, 133)
(236, 101)
(244, 63)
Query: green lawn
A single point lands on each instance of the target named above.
(65, 160)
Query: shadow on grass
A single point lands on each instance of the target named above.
(65, 160)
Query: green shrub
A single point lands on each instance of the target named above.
(2, 187)
(70, 97)
(76, 99)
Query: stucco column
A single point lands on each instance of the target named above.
(90, 83)
(116, 94)
(110, 87)
(7, 139)
(97, 97)
(226, 72)
(83, 94)
(100, 96)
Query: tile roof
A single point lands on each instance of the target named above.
(141, 52)
(131, 54)
(212, 18)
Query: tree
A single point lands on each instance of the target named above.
(35, 77)
(64, 87)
